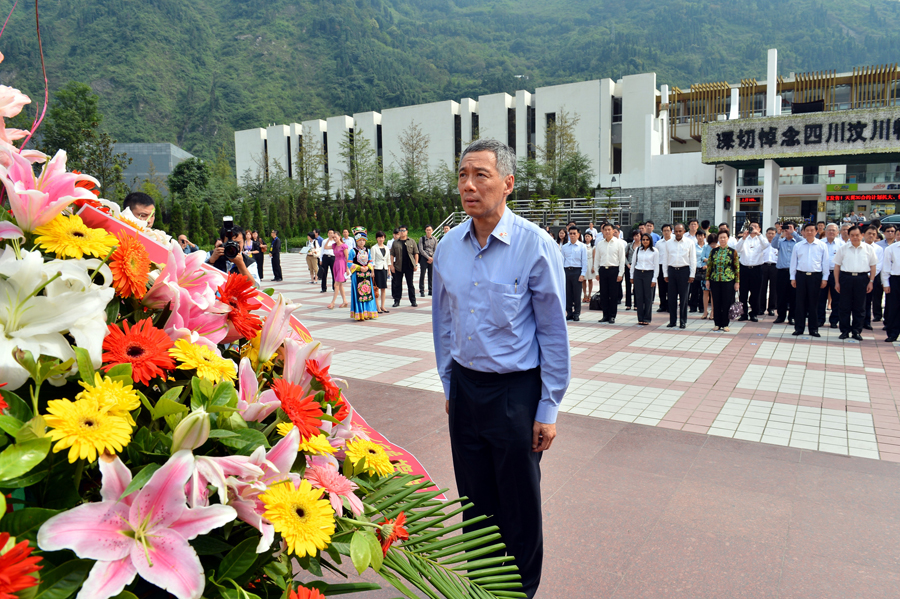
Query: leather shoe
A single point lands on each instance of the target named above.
(661, 310)
(742, 318)
(568, 317)
(876, 319)
(816, 334)
(576, 318)
(414, 305)
(797, 333)
(602, 320)
(396, 304)
(857, 336)
(612, 321)
(771, 312)
(778, 321)
(890, 340)
(754, 319)
(867, 327)
(790, 321)
(844, 336)
(682, 326)
(834, 325)
(670, 325)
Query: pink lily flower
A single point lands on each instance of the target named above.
(276, 329)
(145, 533)
(12, 101)
(184, 271)
(209, 320)
(296, 354)
(216, 471)
(9, 230)
(36, 201)
(254, 406)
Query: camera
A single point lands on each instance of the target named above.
(231, 247)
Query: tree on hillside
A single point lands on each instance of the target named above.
(413, 159)
(309, 171)
(176, 222)
(71, 123)
(100, 159)
(192, 171)
(562, 164)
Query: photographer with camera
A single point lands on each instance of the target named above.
(228, 253)
(187, 245)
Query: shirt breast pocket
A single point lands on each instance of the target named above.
(503, 301)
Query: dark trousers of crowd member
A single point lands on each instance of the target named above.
(786, 295)
(807, 298)
(259, 264)
(678, 293)
(628, 290)
(663, 287)
(573, 291)
(751, 285)
(852, 301)
(491, 420)
(610, 290)
(873, 302)
(424, 267)
(325, 268)
(276, 267)
(397, 285)
(695, 292)
(722, 295)
(892, 310)
(836, 308)
(768, 297)
(644, 294)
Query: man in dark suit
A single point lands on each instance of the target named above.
(275, 251)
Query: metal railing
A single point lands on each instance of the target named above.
(455, 219)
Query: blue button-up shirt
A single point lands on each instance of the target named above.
(785, 248)
(703, 255)
(810, 257)
(499, 308)
(575, 256)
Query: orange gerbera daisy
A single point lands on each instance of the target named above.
(238, 292)
(305, 593)
(304, 412)
(143, 346)
(16, 568)
(342, 408)
(130, 266)
(89, 185)
(392, 531)
(320, 373)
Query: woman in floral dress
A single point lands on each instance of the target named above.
(362, 280)
(723, 273)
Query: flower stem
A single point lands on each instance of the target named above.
(79, 471)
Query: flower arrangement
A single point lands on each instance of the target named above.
(169, 431)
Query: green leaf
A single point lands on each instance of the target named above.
(343, 588)
(112, 312)
(2, 505)
(140, 480)
(269, 291)
(25, 523)
(18, 409)
(85, 368)
(219, 433)
(375, 551)
(121, 372)
(26, 480)
(238, 560)
(209, 545)
(20, 458)
(361, 550)
(62, 582)
(10, 425)
(247, 438)
(224, 395)
(167, 407)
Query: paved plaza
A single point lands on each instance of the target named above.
(688, 464)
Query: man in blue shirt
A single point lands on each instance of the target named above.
(574, 256)
(809, 274)
(785, 240)
(502, 351)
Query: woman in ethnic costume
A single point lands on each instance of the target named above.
(362, 282)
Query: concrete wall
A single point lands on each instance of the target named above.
(493, 120)
(638, 101)
(277, 145)
(338, 167)
(576, 99)
(467, 108)
(249, 152)
(436, 121)
(655, 202)
(523, 137)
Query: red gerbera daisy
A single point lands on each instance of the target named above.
(342, 408)
(143, 346)
(392, 531)
(89, 185)
(16, 567)
(304, 412)
(320, 373)
(130, 266)
(238, 292)
(3, 404)
(305, 593)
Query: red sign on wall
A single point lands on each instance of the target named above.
(864, 197)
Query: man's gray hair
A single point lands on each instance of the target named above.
(829, 225)
(506, 157)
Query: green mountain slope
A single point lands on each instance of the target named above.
(193, 72)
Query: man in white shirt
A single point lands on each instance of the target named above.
(845, 232)
(751, 249)
(693, 227)
(809, 275)
(590, 229)
(609, 268)
(889, 232)
(769, 276)
(680, 265)
(890, 281)
(328, 260)
(661, 281)
(575, 263)
(854, 271)
(875, 296)
(833, 242)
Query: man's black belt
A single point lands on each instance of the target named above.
(754, 266)
(573, 268)
(678, 267)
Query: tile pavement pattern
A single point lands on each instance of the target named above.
(664, 488)
(812, 394)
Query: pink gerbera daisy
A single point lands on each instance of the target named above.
(337, 486)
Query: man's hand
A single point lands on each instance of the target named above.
(837, 287)
(887, 289)
(618, 279)
(447, 407)
(581, 279)
(392, 268)
(430, 260)
(690, 279)
(794, 284)
(824, 284)
(217, 253)
(868, 287)
(542, 436)
(667, 279)
(737, 286)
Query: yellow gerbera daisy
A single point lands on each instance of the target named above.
(304, 519)
(69, 237)
(208, 365)
(284, 428)
(86, 429)
(113, 396)
(377, 460)
(317, 445)
(251, 350)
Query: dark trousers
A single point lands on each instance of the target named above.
(695, 292)
(259, 258)
(663, 291)
(424, 267)
(767, 288)
(892, 310)
(751, 285)
(722, 295)
(276, 266)
(836, 305)
(573, 291)
(628, 289)
(873, 300)
(325, 268)
(397, 284)
(853, 301)
(491, 420)
(643, 294)
(786, 295)
(678, 293)
(808, 288)
(610, 291)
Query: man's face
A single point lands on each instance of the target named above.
(446, 229)
(396, 236)
(346, 233)
(273, 234)
(403, 233)
(845, 235)
(787, 231)
(428, 231)
(809, 234)
(590, 225)
(607, 233)
(693, 228)
(643, 229)
(182, 240)
(855, 237)
(573, 236)
(144, 213)
(679, 232)
(754, 229)
(830, 233)
(481, 188)
(239, 238)
(770, 235)
(889, 234)
(667, 232)
(820, 227)
(871, 236)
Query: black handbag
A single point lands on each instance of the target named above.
(595, 302)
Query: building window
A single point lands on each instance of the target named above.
(511, 128)
(684, 210)
(475, 127)
(290, 173)
(325, 150)
(457, 137)
(530, 135)
(617, 110)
